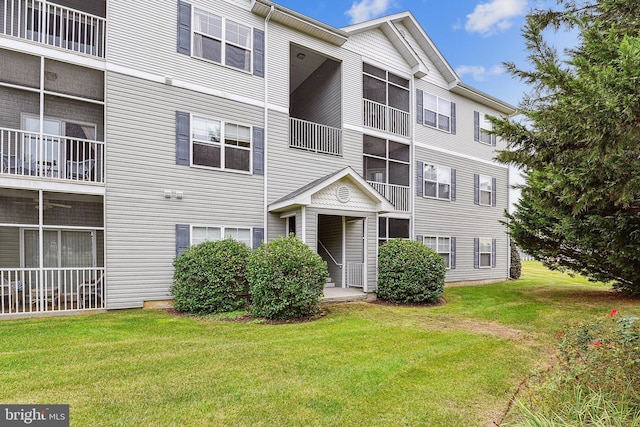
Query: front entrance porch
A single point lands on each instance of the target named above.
(343, 295)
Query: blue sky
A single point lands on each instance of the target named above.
(474, 36)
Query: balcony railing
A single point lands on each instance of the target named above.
(398, 195)
(28, 154)
(315, 137)
(385, 118)
(53, 25)
(32, 290)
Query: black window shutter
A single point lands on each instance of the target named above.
(184, 27)
(452, 256)
(258, 52)
(420, 183)
(493, 253)
(476, 253)
(476, 126)
(182, 238)
(453, 118)
(419, 238)
(182, 138)
(258, 237)
(476, 189)
(453, 185)
(258, 151)
(419, 107)
(493, 191)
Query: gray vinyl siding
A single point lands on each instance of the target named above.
(141, 165)
(142, 35)
(462, 141)
(463, 219)
(319, 98)
(289, 169)
(375, 45)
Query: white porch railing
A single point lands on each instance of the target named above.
(398, 195)
(315, 137)
(51, 156)
(355, 274)
(31, 290)
(382, 117)
(54, 25)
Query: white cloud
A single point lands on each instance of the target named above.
(364, 10)
(495, 16)
(478, 72)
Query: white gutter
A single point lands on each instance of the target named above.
(265, 219)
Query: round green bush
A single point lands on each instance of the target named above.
(211, 277)
(286, 279)
(409, 272)
(515, 269)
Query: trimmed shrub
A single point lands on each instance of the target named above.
(409, 272)
(515, 269)
(211, 277)
(286, 279)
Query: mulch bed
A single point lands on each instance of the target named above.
(440, 302)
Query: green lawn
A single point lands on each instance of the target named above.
(360, 365)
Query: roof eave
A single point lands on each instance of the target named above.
(483, 98)
(298, 21)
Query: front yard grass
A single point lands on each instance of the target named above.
(360, 365)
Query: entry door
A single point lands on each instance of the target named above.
(44, 156)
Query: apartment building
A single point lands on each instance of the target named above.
(125, 140)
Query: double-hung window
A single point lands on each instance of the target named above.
(485, 190)
(437, 182)
(442, 245)
(485, 252)
(392, 228)
(200, 234)
(482, 129)
(221, 40)
(437, 112)
(220, 144)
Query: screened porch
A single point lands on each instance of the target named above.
(51, 252)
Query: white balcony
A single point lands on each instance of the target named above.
(34, 155)
(385, 118)
(32, 290)
(54, 25)
(398, 195)
(315, 137)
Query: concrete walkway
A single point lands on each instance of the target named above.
(344, 295)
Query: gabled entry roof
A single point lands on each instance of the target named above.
(304, 196)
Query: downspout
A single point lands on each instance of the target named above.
(266, 118)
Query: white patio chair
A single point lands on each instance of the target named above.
(80, 170)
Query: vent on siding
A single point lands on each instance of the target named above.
(343, 193)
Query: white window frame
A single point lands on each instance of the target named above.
(488, 179)
(59, 231)
(387, 159)
(387, 238)
(438, 247)
(485, 242)
(437, 181)
(221, 143)
(438, 111)
(223, 233)
(224, 41)
(485, 126)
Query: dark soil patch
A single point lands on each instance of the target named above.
(248, 318)
(378, 301)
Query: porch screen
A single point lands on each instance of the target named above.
(60, 249)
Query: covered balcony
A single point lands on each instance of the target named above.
(315, 102)
(78, 26)
(51, 252)
(386, 168)
(385, 101)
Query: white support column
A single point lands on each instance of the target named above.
(344, 252)
(365, 272)
(303, 225)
